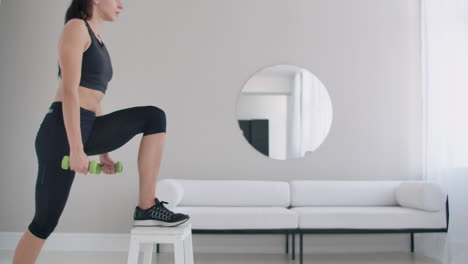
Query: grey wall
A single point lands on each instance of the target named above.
(191, 58)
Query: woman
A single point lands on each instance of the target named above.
(74, 125)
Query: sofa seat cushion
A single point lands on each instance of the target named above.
(212, 217)
(384, 217)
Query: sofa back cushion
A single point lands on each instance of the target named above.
(234, 193)
(343, 193)
(422, 195)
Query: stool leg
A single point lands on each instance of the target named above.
(179, 252)
(133, 252)
(147, 253)
(188, 249)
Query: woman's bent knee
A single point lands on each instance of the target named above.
(42, 231)
(156, 120)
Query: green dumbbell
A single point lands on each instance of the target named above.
(94, 167)
(118, 167)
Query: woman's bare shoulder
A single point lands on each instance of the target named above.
(75, 24)
(75, 31)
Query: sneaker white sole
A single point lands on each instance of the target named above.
(157, 223)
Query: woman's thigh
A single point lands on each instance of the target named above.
(113, 130)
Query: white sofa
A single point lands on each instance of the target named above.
(307, 206)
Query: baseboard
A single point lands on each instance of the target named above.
(224, 243)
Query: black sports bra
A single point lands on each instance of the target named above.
(96, 67)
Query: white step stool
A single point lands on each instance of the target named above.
(180, 236)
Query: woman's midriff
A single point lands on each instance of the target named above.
(89, 99)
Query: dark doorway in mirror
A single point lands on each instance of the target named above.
(256, 133)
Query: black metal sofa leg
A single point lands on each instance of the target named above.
(412, 242)
(293, 246)
(301, 246)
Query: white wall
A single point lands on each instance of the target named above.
(191, 58)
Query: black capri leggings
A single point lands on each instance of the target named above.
(100, 134)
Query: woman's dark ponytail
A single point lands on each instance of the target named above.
(81, 9)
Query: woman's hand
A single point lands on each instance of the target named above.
(108, 165)
(79, 162)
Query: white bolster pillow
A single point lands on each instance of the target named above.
(171, 191)
(426, 196)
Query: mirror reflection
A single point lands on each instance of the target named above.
(284, 112)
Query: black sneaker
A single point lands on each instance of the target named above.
(158, 215)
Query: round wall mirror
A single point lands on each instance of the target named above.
(284, 112)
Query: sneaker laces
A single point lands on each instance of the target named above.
(161, 210)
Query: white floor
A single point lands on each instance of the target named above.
(51, 257)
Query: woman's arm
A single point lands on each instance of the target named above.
(72, 44)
